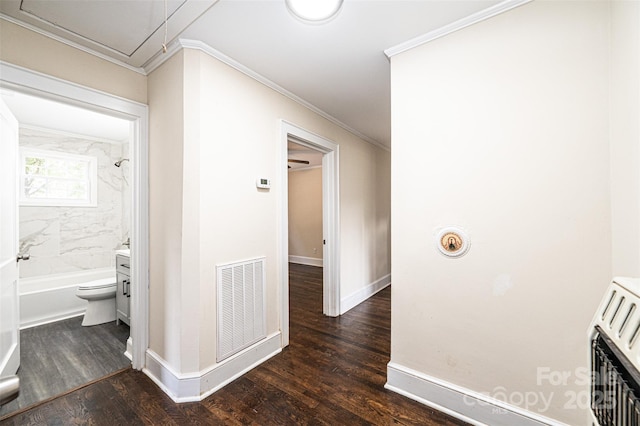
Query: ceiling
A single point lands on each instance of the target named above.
(47, 114)
(129, 31)
(300, 152)
(338, 67)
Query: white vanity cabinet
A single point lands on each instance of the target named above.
(123, 293)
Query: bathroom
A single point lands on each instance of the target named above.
(74, 218)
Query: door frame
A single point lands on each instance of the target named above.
(330, 220)
(23, 80)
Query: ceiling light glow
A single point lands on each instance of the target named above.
(314, 11)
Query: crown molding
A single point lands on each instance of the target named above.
(205, 48)
(455, 26)
(175, 46)
(71, 43)
(161, 57)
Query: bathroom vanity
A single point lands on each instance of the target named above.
(123, 293)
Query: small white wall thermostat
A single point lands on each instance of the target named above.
(263, 183)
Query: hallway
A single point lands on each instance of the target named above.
(332, 373)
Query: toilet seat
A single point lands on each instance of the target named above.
(98, 289)
(102, 283)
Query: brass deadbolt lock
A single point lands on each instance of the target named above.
(452, 242)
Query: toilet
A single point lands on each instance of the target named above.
(101, 295)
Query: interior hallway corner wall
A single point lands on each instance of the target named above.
(502, 128)
(205, 116)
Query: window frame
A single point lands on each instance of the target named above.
(92, 179)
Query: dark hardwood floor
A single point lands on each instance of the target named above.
(63, 355)
(332, 373)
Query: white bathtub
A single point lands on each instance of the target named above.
(52, 298)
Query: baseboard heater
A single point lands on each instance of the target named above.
(615, 356)
(241, 306)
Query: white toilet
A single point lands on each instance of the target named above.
(101, 295)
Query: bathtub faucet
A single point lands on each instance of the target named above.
(127, 243)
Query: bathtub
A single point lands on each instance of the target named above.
(51, 298)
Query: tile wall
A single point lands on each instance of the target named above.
(73, 239)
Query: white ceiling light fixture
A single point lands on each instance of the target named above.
(314, 11)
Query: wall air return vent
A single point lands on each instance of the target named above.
(241, 306)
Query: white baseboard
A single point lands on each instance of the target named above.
(197, 386)
(129, 350)
(302, 260)
(464, 404)
(354, 299)
(179, 387)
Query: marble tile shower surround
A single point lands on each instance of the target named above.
(74, 239)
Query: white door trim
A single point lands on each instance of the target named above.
(330, 219)
(23, 80)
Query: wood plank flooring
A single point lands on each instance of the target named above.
(332, 373)
(63, 355)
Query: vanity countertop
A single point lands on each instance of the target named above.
(124, 252)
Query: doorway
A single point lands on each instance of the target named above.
(330, 219)
(305, 206)
(22, 81)
(305, 230)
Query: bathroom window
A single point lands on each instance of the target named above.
(50, 178)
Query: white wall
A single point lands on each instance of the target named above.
(625, 136)
(502, 128)
(213, 212)
(305, 216)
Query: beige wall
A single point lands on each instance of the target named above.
(36, 52)
(625, 137)
(305, 213)
(380, 247)
(503, 129)
(231, 137)
(166, 131)
(365, 219)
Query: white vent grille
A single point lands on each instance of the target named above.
(241, 306)
(615, 356)
(619, 317)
